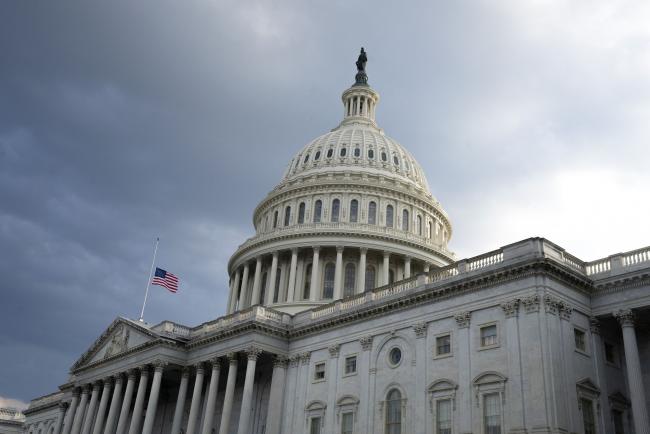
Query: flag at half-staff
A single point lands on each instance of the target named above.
(166, 279)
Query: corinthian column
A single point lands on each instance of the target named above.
(79, 417)
(180, 401)
(196, 399)
(103, 402)
(247, 397)
(230, 392)
(212, 396)
(635, 379)
(111, 420)
(71, 413)
(270, 294)
(292, 275)
(407, 267)
(152, 406)
(136, 418)
(126, 403)
(385, 270)
(91, 410)
(233, 295)
(314, 288)
(361, 280)
(276, 395)
(338, 271)
(244, 288)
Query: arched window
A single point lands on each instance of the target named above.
(394, 412)
(389, 216)
(328, 281)
(330, 152)
(370, 277)
(419, 224)
(318, 209)
(336, 206)
(391, 276)
(275, 220)
(306, 288)
(263, 289)
(371, 154)
(317, 156)
(301, 213)
(372, 213)
(306, 159)
(383, 156)
(350, 280)
(395, 160)
(343, 152)
(287, 215)
(354, 210)
(405, 220)
(357, 152)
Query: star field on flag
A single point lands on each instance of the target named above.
(166, 279)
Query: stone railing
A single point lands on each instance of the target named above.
(636, 257)
(619, 263)
(253, 313)
(12, 414)
(346, 227)
(172, 328)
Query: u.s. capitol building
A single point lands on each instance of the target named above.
(349, 314)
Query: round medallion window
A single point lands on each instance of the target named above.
(395, 356)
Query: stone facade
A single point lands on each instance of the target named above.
(386, 332)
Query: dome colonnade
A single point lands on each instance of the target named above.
(353, 212)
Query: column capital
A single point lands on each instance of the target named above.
(334, 350)
(407, 259)
(275, 254)
(280, 361)
(511, 307)
(159, 365)
(316, 249)
(294, 250)
(339, 249)
(185, 371)
(85, 389)
(531, 303)
(366, 343)
(144, 371)
(199, 368)
(253, 352)
(594, 325)
(463, 319)
(232, 358)
(304, 358)
(363, 250)
(63, 406)
(117, 378)
(76, 392)
(97, 385)
(565, 310)
(132, 374)
(420, 330)
(108, 381)
(294, 360)
(215, 362)
(625, 317)
(386, 253)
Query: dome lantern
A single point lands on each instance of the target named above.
(360, 100)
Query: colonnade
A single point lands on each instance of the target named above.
(360, 105)
(87, 412)
(243, 295)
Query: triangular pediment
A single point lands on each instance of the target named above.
(121, 336)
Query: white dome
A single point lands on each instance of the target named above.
(361, 148)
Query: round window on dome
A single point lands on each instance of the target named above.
(330, 152)
(371, 154)
(317, 156)
(343, 152)
(384, 157)
(306, 159)
(395, 356)
(357, 152)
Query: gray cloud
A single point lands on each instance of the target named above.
(124, 121)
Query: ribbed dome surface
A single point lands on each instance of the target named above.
(359, 147)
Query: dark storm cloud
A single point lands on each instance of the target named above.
(122, 121)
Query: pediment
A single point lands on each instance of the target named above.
(121, 336)
(588, 385)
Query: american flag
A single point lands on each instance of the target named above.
(166, 279)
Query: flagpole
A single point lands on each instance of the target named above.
(146, 292)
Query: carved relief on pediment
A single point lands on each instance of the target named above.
(119, 342)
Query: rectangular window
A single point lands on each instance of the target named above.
(443, 416)
(492, 413)
(319, 371)
(350, 365)
(314, 425)
(588, 416)
(580, 339)
(617, 419)
(347, 423)
(489, 335)
(610, 353)
(443, 345)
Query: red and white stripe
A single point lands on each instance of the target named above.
(170, 282)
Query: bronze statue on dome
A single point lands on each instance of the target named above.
(361, 61)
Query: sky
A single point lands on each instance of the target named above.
(123, 120)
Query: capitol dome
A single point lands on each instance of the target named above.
(352, 212)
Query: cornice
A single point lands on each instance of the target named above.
(220, 335)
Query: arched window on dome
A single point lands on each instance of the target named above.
(395, 160)
(330, 152)
(343, 152)
(393, 417)
(263, 289)
(307, 286)
(370, 277)
(419, 224)
(372, 213)
(405, 220)
(406, 164)
(287, 215)
(336, 207)
(318, 210)
(384, 157)
(328, 281)
(350, 279)
(306, 159)
(354, 210)
(429, 230)
(357, 152)
(301, 213)
(371, 154)
(275, 219)
(389, 216)
(317, 156)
